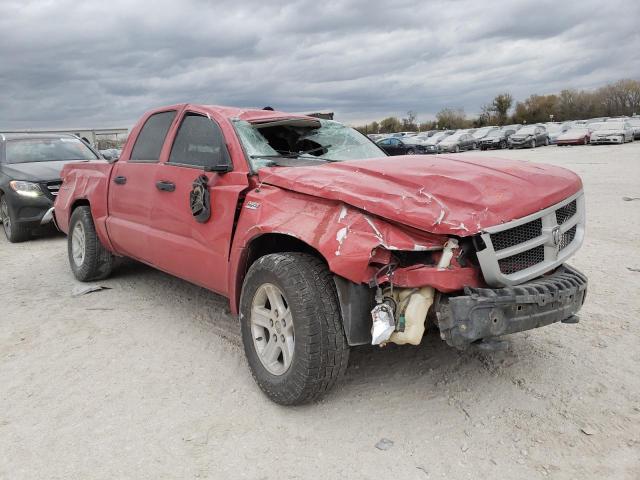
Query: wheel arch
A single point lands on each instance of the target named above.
(261, 245)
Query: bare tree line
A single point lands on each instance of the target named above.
(612, 100)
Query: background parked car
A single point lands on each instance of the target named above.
(574, 136)
(457, 143)
(111, 153)
(431, 144)
(30, 166)
(480, 133)
(611, 132)
(529, 136)
(635, 126)
(401, 146)
(497, 138)
(554, 130)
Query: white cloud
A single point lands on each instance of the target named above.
(100, 63)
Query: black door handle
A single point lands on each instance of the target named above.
(166, 186)
(120, 180)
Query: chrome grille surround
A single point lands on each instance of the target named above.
(515, 254)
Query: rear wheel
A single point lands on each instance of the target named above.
(89, 259)
(292, 328)
(14, 231)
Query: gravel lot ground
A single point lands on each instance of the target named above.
(148, 379)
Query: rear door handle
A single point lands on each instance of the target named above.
(120, 180)
(166, 186)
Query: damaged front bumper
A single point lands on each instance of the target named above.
(484, 313)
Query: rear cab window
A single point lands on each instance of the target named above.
(151, 137)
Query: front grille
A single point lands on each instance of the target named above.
(514, 254)
(522, 260)
(567, 238)
(565, 213)
(517, 235)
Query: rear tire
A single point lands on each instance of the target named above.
(88, 258)
(316, 348)
(14, 231)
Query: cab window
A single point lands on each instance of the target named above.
(151, 137)
(198, 142)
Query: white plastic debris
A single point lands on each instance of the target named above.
(84, 289)
(383, 323)
(447, 254)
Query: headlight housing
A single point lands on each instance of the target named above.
(25, 189)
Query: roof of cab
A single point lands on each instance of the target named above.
(252, 115)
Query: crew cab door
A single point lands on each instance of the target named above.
(131, 189)
(195, 249)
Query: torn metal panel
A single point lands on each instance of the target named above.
(347, 238)
(441, 195)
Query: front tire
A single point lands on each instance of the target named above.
(533, 144)
(89, 259)
(411, 152)
(292, 328)
(14, 231)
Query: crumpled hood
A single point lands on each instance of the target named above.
(455, 195)
(35, 171)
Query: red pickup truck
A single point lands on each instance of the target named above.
(321, 241)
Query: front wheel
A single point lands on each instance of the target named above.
(89, 259)
(533, 144)
(411, 151)
(292, 328)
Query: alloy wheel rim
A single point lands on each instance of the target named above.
(272, 329)
(78, 244)
(6, 219)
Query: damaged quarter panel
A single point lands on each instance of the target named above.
(84, 182)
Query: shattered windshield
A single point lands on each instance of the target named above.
(296, 143)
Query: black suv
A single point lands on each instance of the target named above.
(30, 166)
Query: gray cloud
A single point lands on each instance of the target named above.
(93, 63)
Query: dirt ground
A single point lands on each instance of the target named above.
(148, 379)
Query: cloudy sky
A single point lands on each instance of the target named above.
(96, 63)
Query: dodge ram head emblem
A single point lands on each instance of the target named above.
(556, 236)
